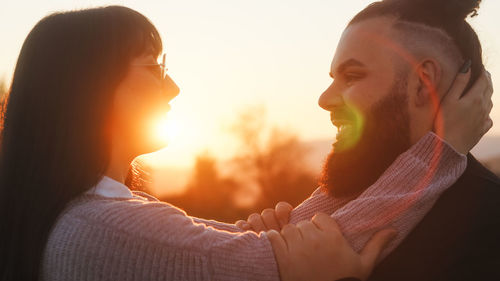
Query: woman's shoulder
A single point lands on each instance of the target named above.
(133, 217)
(94, 228)
(91, 218)
(95, 233)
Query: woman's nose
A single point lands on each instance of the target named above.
(331, 98)
(170, 89)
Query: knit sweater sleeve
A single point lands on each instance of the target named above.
(130, 239)
(429, 152)
(212, 223)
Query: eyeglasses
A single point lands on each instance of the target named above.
(163, 69)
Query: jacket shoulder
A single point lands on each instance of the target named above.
(483, 176)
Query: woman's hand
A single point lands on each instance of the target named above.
(316, 250)
(267, 220)
(464, 118)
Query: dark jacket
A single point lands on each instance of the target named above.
(459, 239)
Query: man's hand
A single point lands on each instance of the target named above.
(316, 250)
(464, 118)
(267, 220)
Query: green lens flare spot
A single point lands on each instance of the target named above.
(351, 138)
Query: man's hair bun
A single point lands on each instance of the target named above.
(454, 10)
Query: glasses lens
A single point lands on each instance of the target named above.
(163, 69)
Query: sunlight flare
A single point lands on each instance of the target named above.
(166, 129)
(351, 134)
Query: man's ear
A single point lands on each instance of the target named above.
(429, 75)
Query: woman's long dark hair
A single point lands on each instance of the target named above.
(54, 142)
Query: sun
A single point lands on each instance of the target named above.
(166, 129)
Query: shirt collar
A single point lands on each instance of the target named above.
(109, 187)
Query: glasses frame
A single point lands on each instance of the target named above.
(162, 66)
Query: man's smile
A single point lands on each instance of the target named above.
(344, 131)
(344, 124)
(349, 126)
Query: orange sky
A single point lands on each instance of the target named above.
(228, 54)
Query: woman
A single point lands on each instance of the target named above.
(85, 88)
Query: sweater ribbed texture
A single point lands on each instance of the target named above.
(400, 198)
(99, 238)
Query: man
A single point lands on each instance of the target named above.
(393, 65)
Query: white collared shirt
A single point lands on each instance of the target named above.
(109, 187)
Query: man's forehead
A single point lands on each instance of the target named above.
(363, 42)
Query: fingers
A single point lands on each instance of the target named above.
(270, 220)
(309, 232)
(292, 236)
(490, 84)
(459, 85)
(480, 88)
(374, 247)
(243, 225)
(489, 92)
(255, 220)
(279, 245)
(325, 223)
(490, 105)
(283, 210)
(488, 124)
(487, 102)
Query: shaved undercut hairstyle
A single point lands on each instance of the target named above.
(442, 22)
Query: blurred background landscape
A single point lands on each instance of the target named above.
(284, 169)
(271, 164)
(245, 131)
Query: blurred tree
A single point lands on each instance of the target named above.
(272, 159)
(269, 162)
(208, 194)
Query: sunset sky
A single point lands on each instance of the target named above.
(227, 55)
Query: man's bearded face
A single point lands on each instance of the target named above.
(370, 104)
(364, 150)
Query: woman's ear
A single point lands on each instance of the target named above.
(429, 75)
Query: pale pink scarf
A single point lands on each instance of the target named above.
(399, 199)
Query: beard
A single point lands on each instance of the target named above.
(386, 134)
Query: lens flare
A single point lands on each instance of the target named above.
(352, 137)
(165, 129)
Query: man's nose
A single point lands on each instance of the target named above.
(170, 89)
(331, 98)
